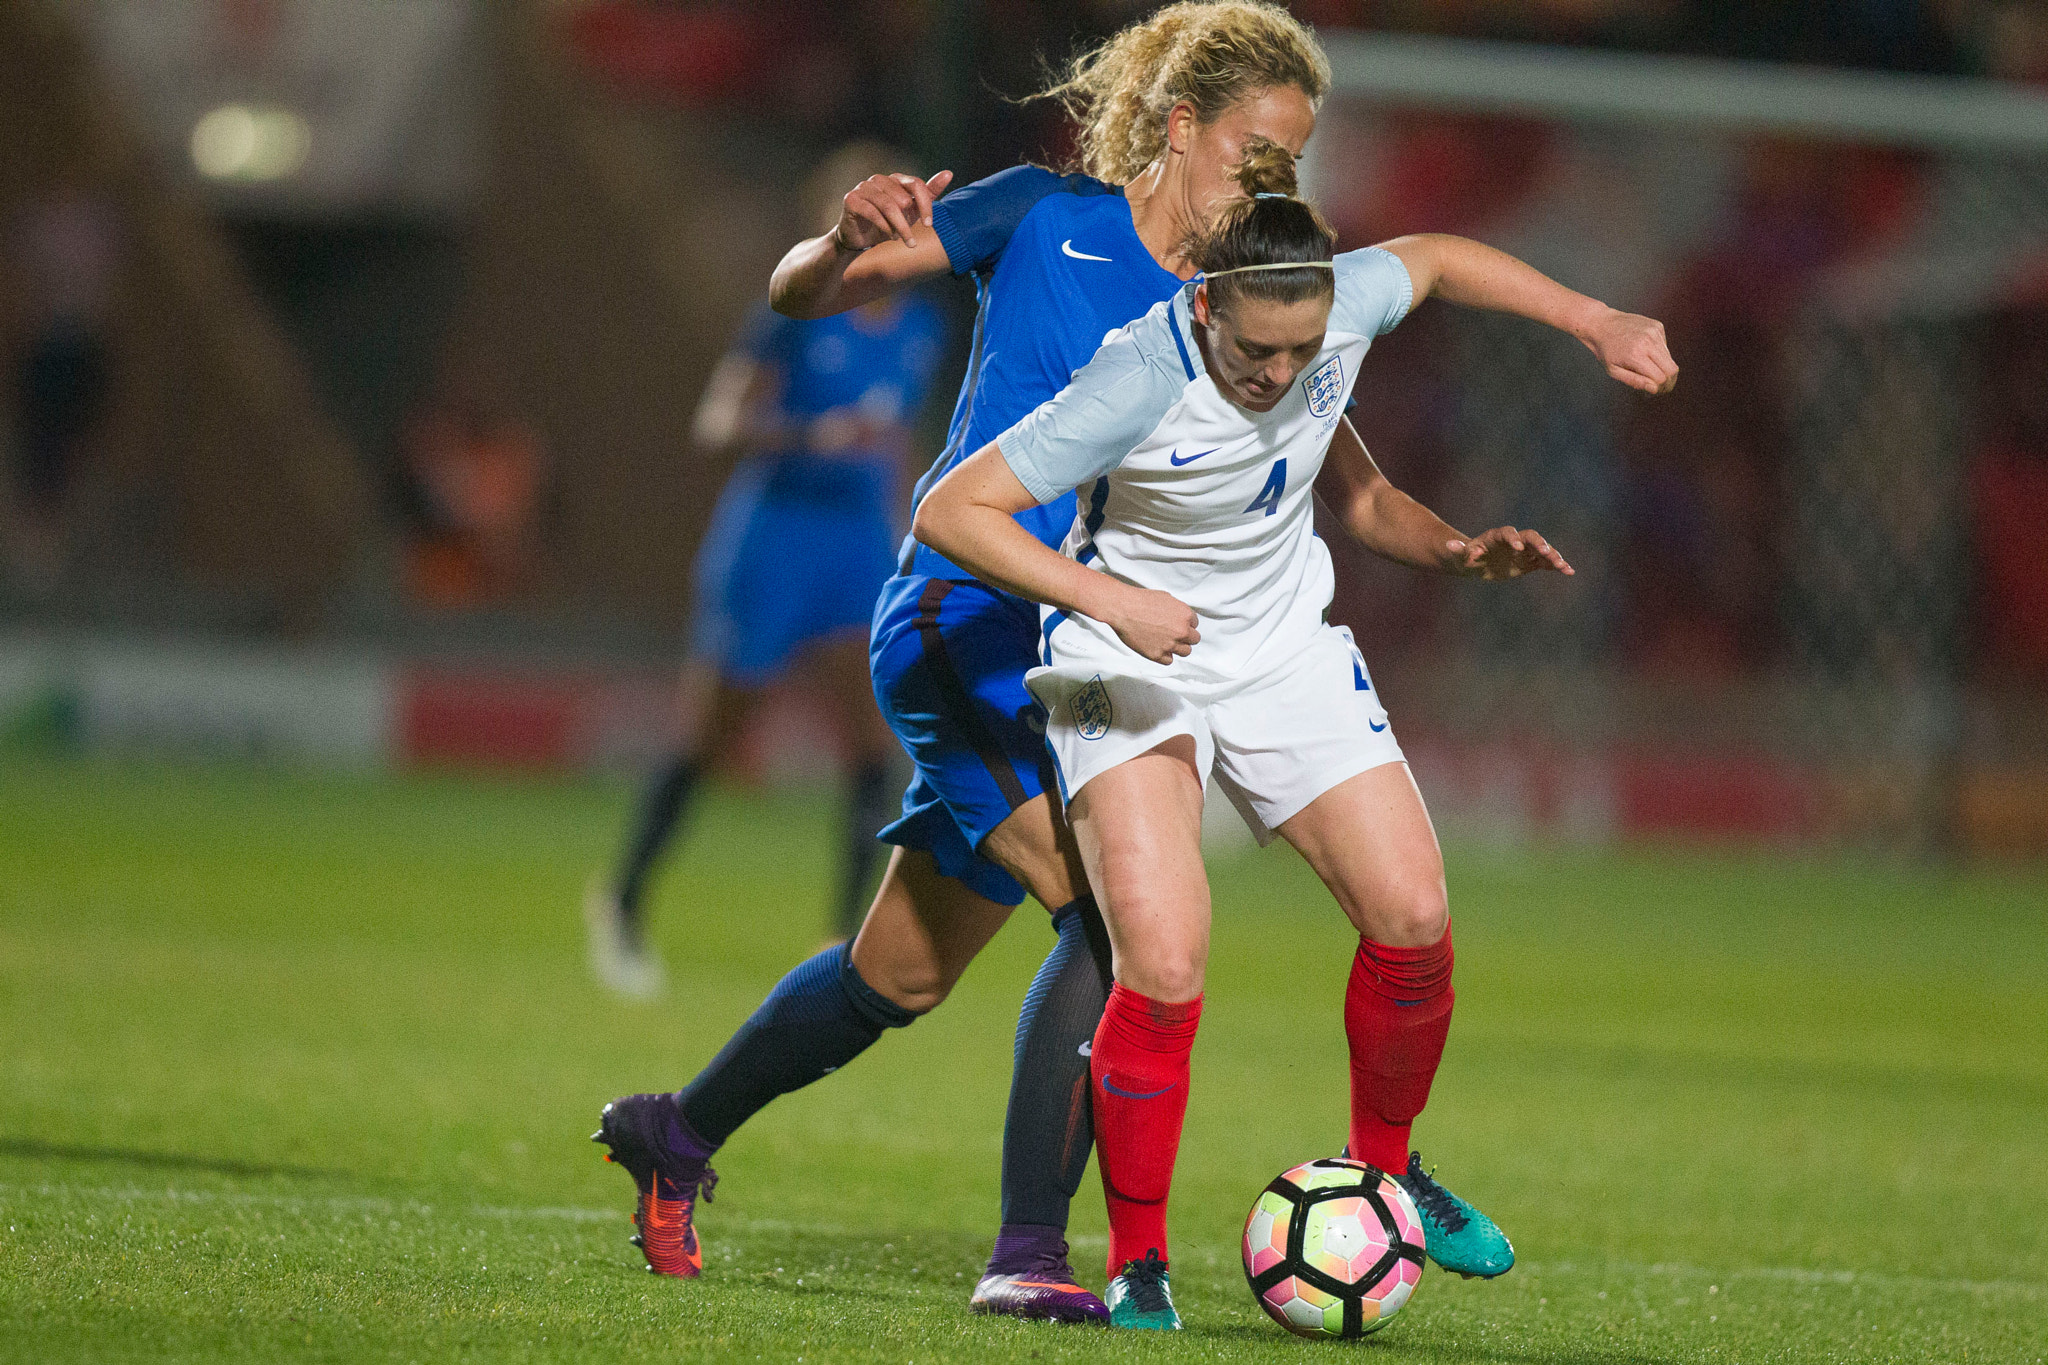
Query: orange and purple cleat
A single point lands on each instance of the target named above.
(647, 1135)
(1028, 1277)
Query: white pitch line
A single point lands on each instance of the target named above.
(338, 1204)
(350, 1204)
(1797, 1274)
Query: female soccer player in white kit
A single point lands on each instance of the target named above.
(1184, 636)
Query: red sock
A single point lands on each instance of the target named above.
(1397, 1011)
(1139, 1064)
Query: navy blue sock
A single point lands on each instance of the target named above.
(662, 807)
(1049, 1128)
(816, 1020)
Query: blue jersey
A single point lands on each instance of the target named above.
(1057, 266)
(879, 363)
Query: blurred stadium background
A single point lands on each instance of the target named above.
(351, 352)
(348, 354)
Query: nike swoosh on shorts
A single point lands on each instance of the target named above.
(1067, 248)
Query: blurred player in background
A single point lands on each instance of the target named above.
(819, 415)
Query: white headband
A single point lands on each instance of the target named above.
(1276, 265)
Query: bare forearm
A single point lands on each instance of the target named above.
(1632, 347)
(1471, 273)
(810, 279)
(989, 544)
(1395, 526)
(819, 277)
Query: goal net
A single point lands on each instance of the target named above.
(1801, 611)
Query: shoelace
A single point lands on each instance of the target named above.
(698, 1189)
(1047, 1265)
(1147, 1279)
(1434, 1200)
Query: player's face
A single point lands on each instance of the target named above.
(1256, 347)
(1282, 114)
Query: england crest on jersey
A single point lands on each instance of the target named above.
(1091, 708)
(1325, 387)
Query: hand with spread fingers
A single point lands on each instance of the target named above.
(883, 207)
(1504, 552)
(1633, 349)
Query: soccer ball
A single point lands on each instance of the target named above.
(1333, 1248)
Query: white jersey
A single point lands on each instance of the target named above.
(1182, 490)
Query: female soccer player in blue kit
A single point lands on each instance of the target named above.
(1166, 110)
(801, 541)
(1184, 633)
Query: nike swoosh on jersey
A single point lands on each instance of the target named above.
(1067, 248)
(1176, 461)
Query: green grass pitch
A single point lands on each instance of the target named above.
(302, 1068)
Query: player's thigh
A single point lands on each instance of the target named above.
(922, 930)
(1370, 840)
(1035, 845)
(1139, 829)
(1098, 721)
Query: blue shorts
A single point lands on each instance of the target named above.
(775, 573)
(949, 658)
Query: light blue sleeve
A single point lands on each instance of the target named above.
(1087, 428)
(1374, 292)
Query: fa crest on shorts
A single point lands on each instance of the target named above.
(1325, 388)
(1091, 708)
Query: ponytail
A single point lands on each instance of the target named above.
(1270, 244)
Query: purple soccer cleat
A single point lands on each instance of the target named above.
(1028, 1277)
(668, 1163)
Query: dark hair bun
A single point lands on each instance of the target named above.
(1267, 168)
(1278, 229)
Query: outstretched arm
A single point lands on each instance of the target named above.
(876, 247)
(970, 518)
(1631, 346)
(1395, 526)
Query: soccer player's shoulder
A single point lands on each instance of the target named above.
(975, 222)
(1374, 292)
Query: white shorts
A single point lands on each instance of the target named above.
(1272, 747)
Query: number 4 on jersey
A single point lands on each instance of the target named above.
(1276, 487)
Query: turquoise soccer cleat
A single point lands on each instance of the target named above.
(1461, 1239)
(1140, 1297)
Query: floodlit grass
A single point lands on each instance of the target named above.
(302, 1068)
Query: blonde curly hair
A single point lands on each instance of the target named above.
(1209, 54)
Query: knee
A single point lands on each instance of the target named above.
(895, 1000)
(914, 989)
(1412, 916)
(1173, 977)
